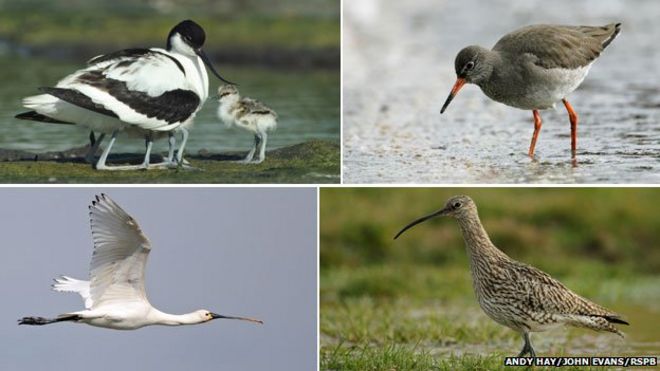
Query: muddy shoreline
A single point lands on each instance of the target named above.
(77, 154)
(313, 161)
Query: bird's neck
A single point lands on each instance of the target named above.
(230, 102)
(167, 319)
(491, 60)
(195, 71)
(477, 242)
(226, 107)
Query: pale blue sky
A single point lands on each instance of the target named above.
(244, 251)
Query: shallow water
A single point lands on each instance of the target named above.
(307, 103)
(399, 68)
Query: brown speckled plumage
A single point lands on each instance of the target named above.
(515, 294)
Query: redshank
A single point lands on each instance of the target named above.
(534, 67)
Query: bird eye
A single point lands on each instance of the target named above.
(457, 205)
(469, 65)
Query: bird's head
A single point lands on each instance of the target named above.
(205, 316)
(457, 207)
(470, 69)
(228, 94)
(187, 38)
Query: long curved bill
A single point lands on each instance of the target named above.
(457, 86)
(208, 64)
(441, 212)
(214, 316)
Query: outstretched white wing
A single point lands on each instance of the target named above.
(120, 255)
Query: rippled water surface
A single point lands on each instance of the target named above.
(399, 68)
(307, 103)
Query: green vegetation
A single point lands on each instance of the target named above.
(406, 358)
(231, 26)
(309, 162)
(409, 304)
(40, 29)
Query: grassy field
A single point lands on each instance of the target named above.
(268, 34)
(409, 304)
(309, 162)
(38, 29)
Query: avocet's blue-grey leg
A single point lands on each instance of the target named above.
(169, 161)
(262, 150)
(250, 154)
(171, 140)
(147, 155)
(94, 144)
(100, 164)
(179, 154)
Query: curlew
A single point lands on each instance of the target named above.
(515, 294)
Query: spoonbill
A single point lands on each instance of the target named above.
(248, 114)
(114, 296)
(149, 93)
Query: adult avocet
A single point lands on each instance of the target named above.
(248, 114)
(115, 297)
(145, 92)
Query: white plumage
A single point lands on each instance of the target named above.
(114, 296)
(68, 284)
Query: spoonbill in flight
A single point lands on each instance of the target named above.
(114, 296)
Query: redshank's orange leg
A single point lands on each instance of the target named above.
(572, 115)
(537, 129)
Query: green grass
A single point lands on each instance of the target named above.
(542, 226)
(113, 30)
(409, 304)
(309, 162)
(395, 357)
(426, 317)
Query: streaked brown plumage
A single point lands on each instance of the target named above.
(515, 294)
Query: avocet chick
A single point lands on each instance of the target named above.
(248, 114)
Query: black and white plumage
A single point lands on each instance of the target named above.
(248, 114)
(143, 92)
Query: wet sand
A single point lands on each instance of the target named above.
(399, 68)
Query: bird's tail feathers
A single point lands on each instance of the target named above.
(597, 322)
(616, 319)
(269, 124)
(613, 35)
(40, 102)
(36, 116)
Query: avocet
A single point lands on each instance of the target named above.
(145, 92)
